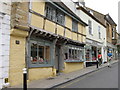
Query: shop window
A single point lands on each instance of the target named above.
(75, 54)
(40, 54)
(88, 55)
(70, 53)
(34, 53)
(94, 53)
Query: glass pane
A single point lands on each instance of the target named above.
(41, 54)
(47, 54)
(75, 54)
(34, 53)
(70, 52)
(81, 54)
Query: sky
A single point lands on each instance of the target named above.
(105, 7)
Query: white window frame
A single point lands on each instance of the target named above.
(99, 32)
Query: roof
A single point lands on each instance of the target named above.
(110, 20)
(66, 10)
(84, 10)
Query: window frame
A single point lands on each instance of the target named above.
(49, 15)
(99, 32)
(113, 33)
(62, 19)
(90, 27)
(78, 55)
(74, 25)
(57, 11)
(41, 43)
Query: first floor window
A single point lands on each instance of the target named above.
(90, 26)
(74, 26)
(99, 32)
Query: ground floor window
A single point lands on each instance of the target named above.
(91, 53)
(40, 53)
(74, 53)
(88, 55)
(94, 53)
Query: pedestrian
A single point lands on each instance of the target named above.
(109, 58)
(100, 58)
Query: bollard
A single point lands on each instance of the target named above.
(24, 79)
(97, 63)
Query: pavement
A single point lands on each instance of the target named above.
(52, 82)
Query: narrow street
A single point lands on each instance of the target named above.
(103, 78)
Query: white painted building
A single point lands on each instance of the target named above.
(4, 42)
(96, 32)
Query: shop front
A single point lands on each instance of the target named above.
(41, 55)
(73, 57)
(113, 49)
(92, 49)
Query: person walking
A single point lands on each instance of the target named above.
(109, 58)
(100, 58)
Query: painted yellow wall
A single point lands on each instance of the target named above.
(80, 28)
(68, 22)
(84, 39)
(79, 38)
(60, 30)
(70, 67)
(84, 30)
(37, 21)
(38, 6)
(68, 34)
(74, 36)
(40, 73)
(17, 56)
(50, 26)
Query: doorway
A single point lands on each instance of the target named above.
(57, 59)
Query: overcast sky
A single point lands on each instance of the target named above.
(105, 7)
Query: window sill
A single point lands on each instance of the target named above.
(74, 61)
(39, 66)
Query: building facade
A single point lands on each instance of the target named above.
(4, 43)
(96, 37)
(111, 32)
(50, 38)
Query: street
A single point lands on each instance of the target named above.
(103, 78)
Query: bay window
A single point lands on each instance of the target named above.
(74, 53)
(40, 53)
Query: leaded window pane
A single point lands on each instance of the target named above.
(34, 53)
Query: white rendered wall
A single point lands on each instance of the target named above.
(4, 42)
